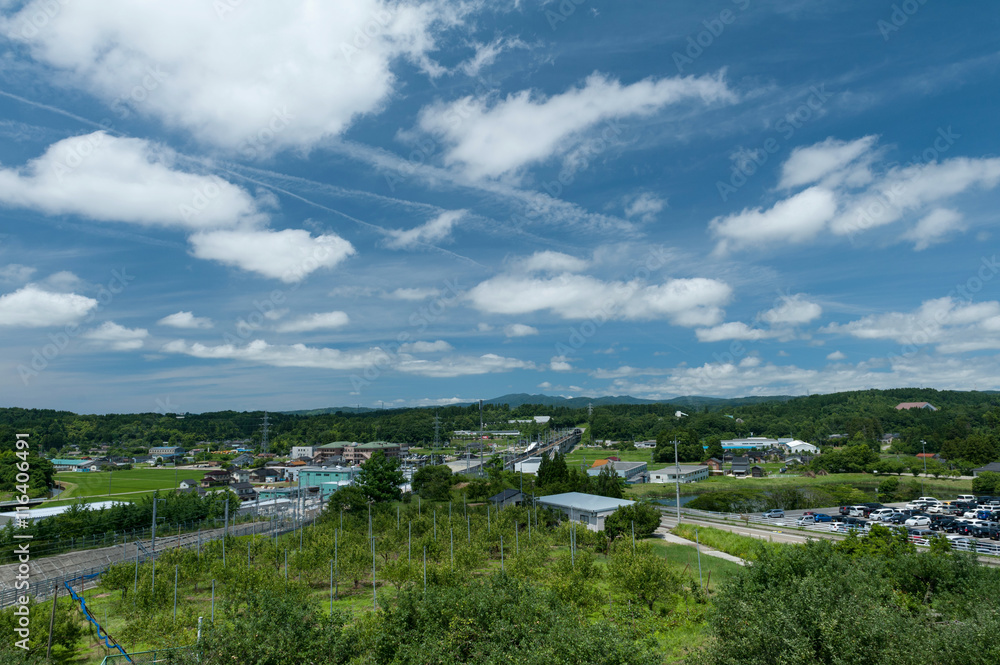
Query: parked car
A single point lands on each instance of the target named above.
(859, 511)
(897, 518)
(822, 517)
(774, 513)
(844, 510)
(921, 534)
(942, 525)
(805, 520)
(881, 514)
(961, 542)
(918, 520)
(928, 499)
(966, 497)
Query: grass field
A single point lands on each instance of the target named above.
(102, 484)
(943, 489)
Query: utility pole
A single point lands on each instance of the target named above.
(265, 442)
(923, 444)
(677, 479)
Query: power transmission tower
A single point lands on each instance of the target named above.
(265, 442)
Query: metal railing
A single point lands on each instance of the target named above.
(168, 655)
(45, 588)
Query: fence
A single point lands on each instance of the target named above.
(143, 657)
(966, 544)
(45, 588)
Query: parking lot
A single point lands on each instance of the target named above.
(788, 522)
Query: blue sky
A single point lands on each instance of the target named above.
(303, 204)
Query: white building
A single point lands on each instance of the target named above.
(303, 451)
(587, 509)
(750, 442)
(801, 447)
(689, 473)
(645, 444)
(529, 465)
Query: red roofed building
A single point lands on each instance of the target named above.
(915, 405)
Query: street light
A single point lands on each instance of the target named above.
(924, 445)
(677, 479)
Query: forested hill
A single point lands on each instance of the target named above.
(860, 415)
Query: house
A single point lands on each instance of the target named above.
(714, 465)
(645, 444)
(263, 475)
(188, 484)
(915, 405)
(928, 456)
(323, 454)
(584, 508)
(142, 459)
(992, 466)
(244, 491)
(328, 479)
(740, 467)
(242, 460)
(507, 498)
(215, 478)
(630, 471)
(688, 473)
(240, 475)
(757, 471)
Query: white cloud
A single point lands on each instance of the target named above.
(318, 321)
(296, 355)
(795, 219)
(484, 327)
(836, 355)
(289, 255)
(33, 307)
(903, 190)
(950, 325)
(185, 320)
(63, 281)
(16, 273)
(813, 163)
(113, 179)
(645, 206)
(549, 261)
(934, 227)
(686, 302)
(734, 330)
(486, 54)
(416, 293)
(431, 232)
(489, 140)
(247, 76)
(489, 363)
(116, 337)
(793, 310)
(519, 330)
(560, 364)
(438, 346)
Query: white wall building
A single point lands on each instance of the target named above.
(800, 447)
(689, 473)
(303, 451)
(587, 509)
(529, 465)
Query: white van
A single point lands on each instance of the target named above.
(882, 514)
(966, 497)
(859, 511)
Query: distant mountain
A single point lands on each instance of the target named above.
(515, 400)
(691, 401)
(331, 409)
